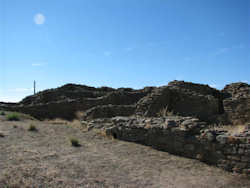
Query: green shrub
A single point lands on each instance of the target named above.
(2, 113)
(32, 128)
(13, 117)
(74, 142)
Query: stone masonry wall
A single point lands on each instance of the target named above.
(182, 98)
(237, 103)
(187, 137)
(108, 111)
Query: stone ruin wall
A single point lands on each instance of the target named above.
(189, 138)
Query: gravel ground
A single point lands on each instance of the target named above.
(45, 158)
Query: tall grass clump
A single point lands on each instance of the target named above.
(74, 142)
(32, 128)
(13, 117)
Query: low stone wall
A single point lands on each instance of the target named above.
(187, 137)
(110, 105)
(108, 111)
(65, 109)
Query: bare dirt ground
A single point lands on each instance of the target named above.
(46, 159)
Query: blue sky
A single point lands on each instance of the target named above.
(121, 43)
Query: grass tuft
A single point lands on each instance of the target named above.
(74, 142)
(2, 134)
(13, 117)
(32, 128)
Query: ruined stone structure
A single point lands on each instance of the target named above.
(236, 103)
(187, 137)
(229, 106)
(175, 118)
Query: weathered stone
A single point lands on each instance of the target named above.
(247, 127)
(237, 103)
(189, 147)
(245, 159)
(108, 111)
(241, 151)
(222, 139)
(240, 165)
(234, 158)
(183, 98)
(178, 146)
(248, 140)
(199, 156)
(119, 119)
(244, 145)
(210, 136)
(170, 123)
(237, 170)
(219, 155)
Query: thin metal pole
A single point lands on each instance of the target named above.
(34, 87)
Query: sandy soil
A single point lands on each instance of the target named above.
(46, 159)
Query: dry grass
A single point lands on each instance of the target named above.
(46, 159)
(32, 128)
(164, 112)
(79, 114)
(13, 117)
(74, 142)
(58, 121)
(103, 133)
(235, 129)
(73, 124)
(18, 115)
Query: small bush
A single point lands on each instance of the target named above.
(74, 142)
(13, 117)
(2, 113)
(2, 134)
(32, 128)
